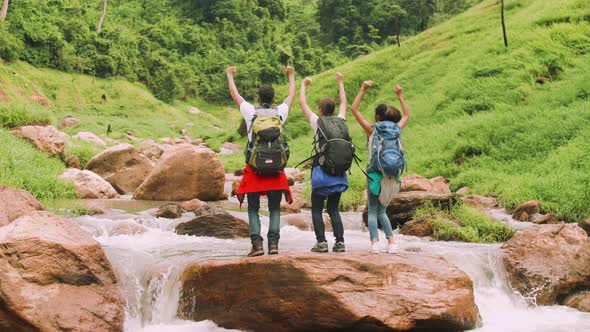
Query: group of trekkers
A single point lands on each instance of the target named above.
(267, 155)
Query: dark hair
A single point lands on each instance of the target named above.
(327, 105)
(266, 94)
(385, 112)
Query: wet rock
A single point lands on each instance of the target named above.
(127, 228)
(55, 277)
(89, 184)
(68, 121)
(192, 205)
(463, 191)
(169, 211)
(122, 166)
(402, 207)
(417, 227)
(15, 203)
(579, 301)
(214, 222)
(479, 202)
(548, 263)
(44, 138)
(549, 218)
(90, 138)
(183, 173)
(526, 210)
(310, 292)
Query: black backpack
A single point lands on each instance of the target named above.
(268, 151)
(334, 150)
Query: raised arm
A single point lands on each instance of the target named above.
(343, 105)
(303, 100)
(399, 91)
(368, 127)
(291, 73)
(233, 89)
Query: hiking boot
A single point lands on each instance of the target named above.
(257, 249)
(339, 247)
(320, 247)
(273, 248)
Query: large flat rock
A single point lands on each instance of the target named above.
(330, 292)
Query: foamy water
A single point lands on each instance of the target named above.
(148, 265)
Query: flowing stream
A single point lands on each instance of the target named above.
(148, 264)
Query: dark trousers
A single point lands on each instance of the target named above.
(274, 208)
(317, 207)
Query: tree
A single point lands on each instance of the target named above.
(102, 16)
(387, 18)
(504, 26)
(4, 10)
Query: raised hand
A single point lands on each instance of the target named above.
(231, 70)
(367, 85)
(339, 76)
(307, 81)
(398, 89)
(289, 70)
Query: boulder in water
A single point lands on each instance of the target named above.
(579, 301)
(549, 218)
(417, 227)
(330, 292)
(122, 166)
(526, 211)
(169, 211)
(89, 184)
(44, 138)
(402, 207)
(15, 203)
(214, 222)
(549, 262)
(479, 202)
(183, 173)
(55, 277)
(192, 205)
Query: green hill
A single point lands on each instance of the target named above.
(479, 116)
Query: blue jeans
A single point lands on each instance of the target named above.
(274, 208)
(378, 212)
(317, 207)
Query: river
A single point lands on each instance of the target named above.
(148, 264)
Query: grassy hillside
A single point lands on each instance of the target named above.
(479, 117)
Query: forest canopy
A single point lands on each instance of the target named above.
(179, 48)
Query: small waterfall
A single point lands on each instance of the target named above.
(148, 258)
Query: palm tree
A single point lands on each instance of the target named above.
(104, 13)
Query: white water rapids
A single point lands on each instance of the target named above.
(148, 264)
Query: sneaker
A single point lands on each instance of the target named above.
(257, 249)
(339, 247)
(273, 248)
(392, 248)
(320, 247)
(374, 249)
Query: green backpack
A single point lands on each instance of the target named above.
(268, 151)
(334, 148)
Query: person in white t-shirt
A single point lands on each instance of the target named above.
(253, 186)
(327, 188)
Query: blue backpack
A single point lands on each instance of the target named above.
(387, 154)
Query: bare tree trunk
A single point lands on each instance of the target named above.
(504, 26)
(4, 10)
(104, 13)
(398, 31)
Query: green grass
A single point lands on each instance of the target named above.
(465, 224)
(83, 150)
(18, 114)
(478, 116)
(21, 166)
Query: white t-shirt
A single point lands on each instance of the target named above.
(248, 111)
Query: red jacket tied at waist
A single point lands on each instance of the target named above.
(254, 183)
